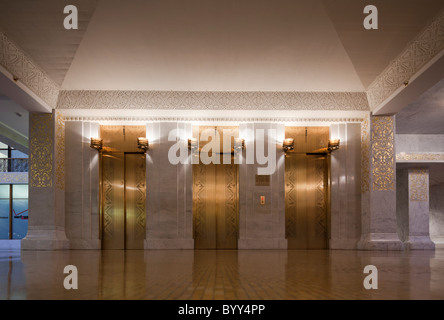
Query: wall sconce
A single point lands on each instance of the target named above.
(333, 144)
(239, 144)
(193, 144)
(288, 144)
(142, 144)
(96, 143)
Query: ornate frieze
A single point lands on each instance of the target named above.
(212, 100)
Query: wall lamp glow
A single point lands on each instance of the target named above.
(193, 144)
(288, 144)
(142, 144)
(239, 144)
(96, 143)
(333, 144)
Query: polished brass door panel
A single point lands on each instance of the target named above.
(216, 197)
(215, 206)
(306, 189)
(123, 200)
(135, 196)
(113, 197)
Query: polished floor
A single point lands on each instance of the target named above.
(232, 275)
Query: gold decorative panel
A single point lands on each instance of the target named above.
(60, 151)
(121, 138)
(365, 155)
(419, 184)
(41, 150)
(383, 153)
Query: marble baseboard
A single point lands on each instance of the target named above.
(85, 244)
(343, 244)
(10, 244)
(419, 243)
(381, 242)
(45, 238)
(267, 244)
(169, 244)
(41, 244)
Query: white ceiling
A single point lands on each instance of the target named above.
(199, 45)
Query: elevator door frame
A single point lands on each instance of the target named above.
(125, 214)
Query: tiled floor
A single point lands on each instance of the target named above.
(243, 274)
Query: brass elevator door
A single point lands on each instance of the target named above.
(215, 206)
(216, 195)
(123, 200)
(306, 189)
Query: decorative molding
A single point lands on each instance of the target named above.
(365, 155)
(420, 157)
(419, 185)
(213, 100)
(215, 119)
(27, 71)
(420, 51)
(13, 178)
(383, 153)
(60, 151)
(41, 150)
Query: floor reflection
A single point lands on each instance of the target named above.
(221, 275)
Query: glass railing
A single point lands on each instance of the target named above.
(13, 165)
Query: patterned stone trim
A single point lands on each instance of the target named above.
(212, 100)
(419, 185)
(13, 59)
(13, 178)
(419, 52)
(420, 157)
(207, 119)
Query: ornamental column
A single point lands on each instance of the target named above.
(46, 225)
(379, 224)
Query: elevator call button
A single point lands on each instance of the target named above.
(262, 199)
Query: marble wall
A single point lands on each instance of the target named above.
(262, 226)
(82, 185)
(169, 223)
(414, 143)
(345, 180)
(437, 215)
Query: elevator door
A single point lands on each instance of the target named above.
(306, 189)
(123, 200)
(216, 199)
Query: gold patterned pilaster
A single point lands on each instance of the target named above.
(418, 185)
(60, 151)
(365, 155)
(383, 153)
(41, 147)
